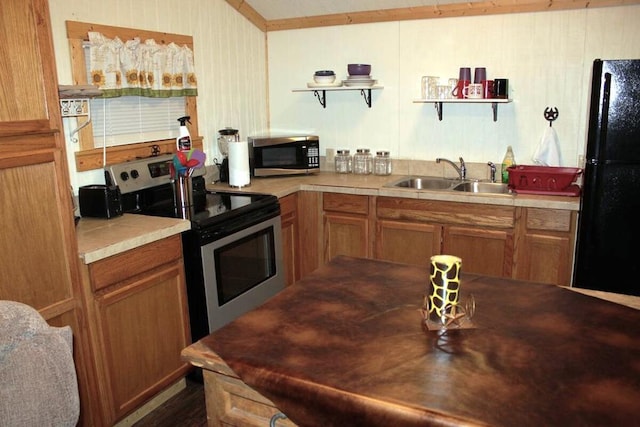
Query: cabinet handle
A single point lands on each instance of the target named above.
(276, 417)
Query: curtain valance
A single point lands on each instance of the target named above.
(141, 69)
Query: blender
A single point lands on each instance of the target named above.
(226, 135)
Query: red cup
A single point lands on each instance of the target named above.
(487, 89)
(459, 89)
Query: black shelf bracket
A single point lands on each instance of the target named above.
(321, 98)
(494, 107)
(438, 107)
(367, 96)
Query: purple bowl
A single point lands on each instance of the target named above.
(359, 69)
(324, 73)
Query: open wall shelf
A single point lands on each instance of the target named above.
(438, 104)
(320, 92)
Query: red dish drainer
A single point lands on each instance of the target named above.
(550, 180)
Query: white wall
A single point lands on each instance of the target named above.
(546, 56)
(229, 57)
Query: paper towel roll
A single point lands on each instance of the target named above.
(239, 164)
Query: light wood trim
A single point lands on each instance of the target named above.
(250, 13)
(90, 157)
(79, 30)
(439, 11)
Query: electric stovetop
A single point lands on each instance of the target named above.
(223, 207)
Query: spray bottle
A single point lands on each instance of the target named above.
(183, 141)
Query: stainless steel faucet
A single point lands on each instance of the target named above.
(493, 171)
(462, 170)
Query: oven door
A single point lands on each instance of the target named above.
(241, 271)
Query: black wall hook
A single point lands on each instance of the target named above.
(550, 114)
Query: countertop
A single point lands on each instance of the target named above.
(373, 185)
(346, 345)
(101, 238)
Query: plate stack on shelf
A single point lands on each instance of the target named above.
(324, 78)
(359, 75)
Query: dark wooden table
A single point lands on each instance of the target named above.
(346, 346)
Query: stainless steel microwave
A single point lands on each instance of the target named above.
(284, 155)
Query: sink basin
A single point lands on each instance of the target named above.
(423, 183)
(482, 187)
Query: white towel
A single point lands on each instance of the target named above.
(548, 151)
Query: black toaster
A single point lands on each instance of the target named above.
(100, 201)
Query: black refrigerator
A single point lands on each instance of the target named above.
(608, 244)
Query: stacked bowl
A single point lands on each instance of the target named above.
(324, 78)
(359, 75)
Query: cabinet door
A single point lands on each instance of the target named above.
(545, 252)
(483, 251)
(34, 245)
(345, 235)
(288, 212)
(547, 259)
(26, 67)
(407, 242)
(346, 225)
(144, 327)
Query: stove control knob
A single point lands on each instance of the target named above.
(124, 176)
(134, 174)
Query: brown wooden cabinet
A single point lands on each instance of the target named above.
(347, 220)
(545, 246)
(138, 313)
(411, 231)
(39, 265)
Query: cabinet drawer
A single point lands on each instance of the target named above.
(232, 402)
(347, 203)
(548, 219)
(445, 212)
(135, 261)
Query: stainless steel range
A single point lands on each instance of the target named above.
(233, 252)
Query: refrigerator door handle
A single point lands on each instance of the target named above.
(604, 118)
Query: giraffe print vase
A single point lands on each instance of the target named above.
(442, 308)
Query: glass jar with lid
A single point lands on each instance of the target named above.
(362, 161)
(343, 161)
(382, 163)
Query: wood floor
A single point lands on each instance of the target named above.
(185, 409)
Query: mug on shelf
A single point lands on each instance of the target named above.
(458, 91)
(501, 88)
(473, 91)
(487, 89)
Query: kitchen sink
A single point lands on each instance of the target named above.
(482, 187)
(435, 183)
(424, 183)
